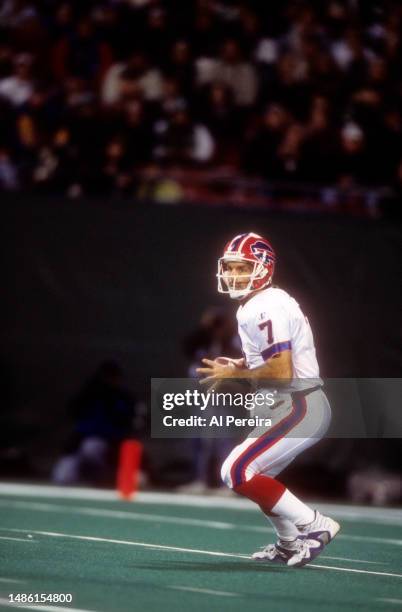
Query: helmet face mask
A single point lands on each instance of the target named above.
(246, 249)
(233, 284)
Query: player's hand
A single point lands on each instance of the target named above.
(239, 363)
(213, 371)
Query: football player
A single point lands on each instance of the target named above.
(278, 345)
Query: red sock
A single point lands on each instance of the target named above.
(263, 490)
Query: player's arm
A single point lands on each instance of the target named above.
(276, 367)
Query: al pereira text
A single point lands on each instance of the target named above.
(215, 421)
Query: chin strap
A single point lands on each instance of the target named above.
(248, 291)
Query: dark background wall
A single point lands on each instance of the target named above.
(88, 281)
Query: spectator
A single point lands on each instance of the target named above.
(261, 152)
(319, 145)
(389, 140)
(219, 113)
(392, 201)
(104, 415)
(138, 133)
(18, 88)
(8, 172)
(204, 33)
(80, 54)
(291, 87)
(115, 170)
(348, 51)
(181, 141)
(134, 77)
(6, 59)
(288, 154)
(157, 36)
(57, 168)
(232, 70)
(172, 97)
(352, 164)
(63, 21)
(180, 67)
(15, 12)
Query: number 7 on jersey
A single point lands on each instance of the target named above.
(268, 325)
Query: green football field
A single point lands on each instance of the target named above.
(173, 553)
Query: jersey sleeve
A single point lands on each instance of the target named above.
(272, 332)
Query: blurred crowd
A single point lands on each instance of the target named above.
(94, 93)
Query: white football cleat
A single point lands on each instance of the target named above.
(313, 538)
(322, 528)
(295, 553)
(270, 553)
(303, 552)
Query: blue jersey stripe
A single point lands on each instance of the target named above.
(276, 348)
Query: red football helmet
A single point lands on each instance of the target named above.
(250, 248)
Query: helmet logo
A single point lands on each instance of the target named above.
(262, 251)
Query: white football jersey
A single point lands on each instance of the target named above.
(271, 322)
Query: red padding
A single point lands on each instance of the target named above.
(263, 490)
(128, 468)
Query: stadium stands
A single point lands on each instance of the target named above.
(101, 97)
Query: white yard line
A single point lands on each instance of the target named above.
(390, 600)
(121, 514)
(391, 516)
(34, 606)
(355, 571)
(56, 534)
(352, 560)
(11, 580)
(15, 539)
(205, 591)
